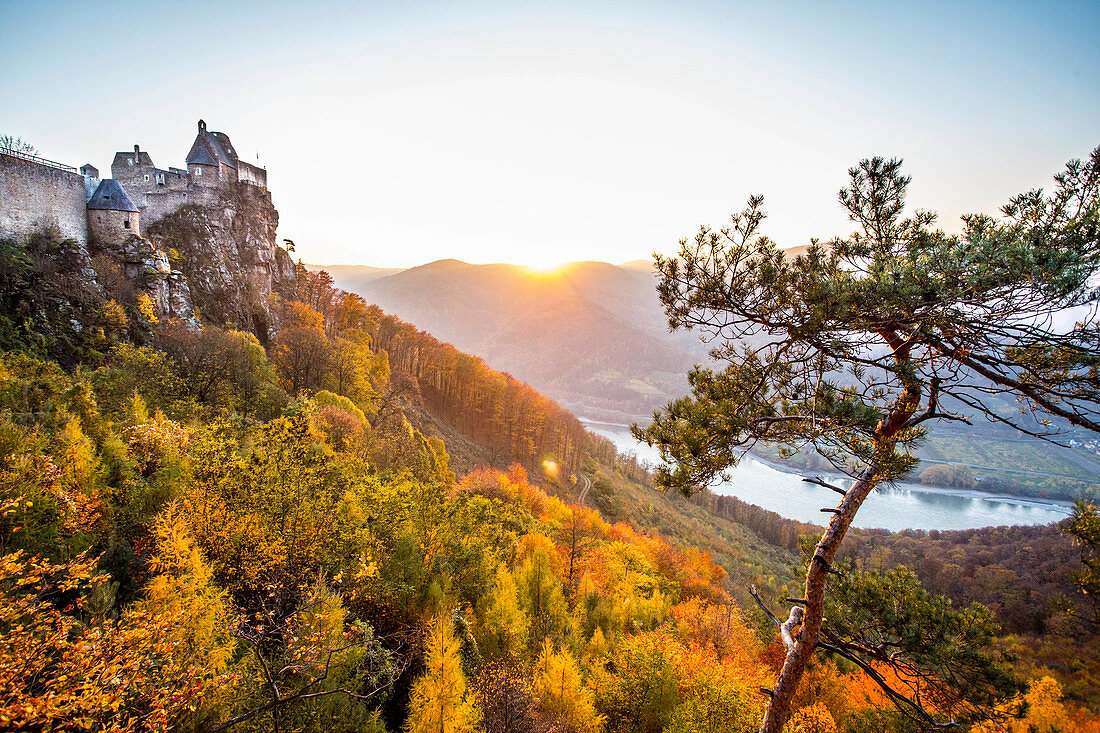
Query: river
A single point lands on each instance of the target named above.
(902, 506)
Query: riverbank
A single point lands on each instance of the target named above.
(838, 479)
(794, 469)
(835, 476)
(901, 506)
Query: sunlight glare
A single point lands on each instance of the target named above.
(545, 267)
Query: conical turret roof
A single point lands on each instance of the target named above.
(110, 196)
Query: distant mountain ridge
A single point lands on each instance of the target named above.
(591, 335)
(351, 277)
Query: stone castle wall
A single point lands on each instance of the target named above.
(157, 204)
(142, 177)
(33, 195)
(248, 173)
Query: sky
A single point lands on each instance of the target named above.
(398, 133)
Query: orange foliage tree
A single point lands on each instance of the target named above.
(64, 668)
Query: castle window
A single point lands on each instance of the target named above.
(126, 223)
(147, 176)
(129, 161)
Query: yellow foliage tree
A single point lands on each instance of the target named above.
(301, 352)
(712, 703)
(271, 520)
(505, 622)
(638, 595)
(715, 691)
(113, 317)
(598, 647)
(1044, 706)
(540, 595)
(440, 700)
(561, 692)
(184, 591)
(147, 308)
(1044, 712)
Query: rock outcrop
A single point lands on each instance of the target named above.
(150, 269)
(221, 262)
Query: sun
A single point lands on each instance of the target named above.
(545, 266)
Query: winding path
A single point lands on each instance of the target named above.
(584, 491)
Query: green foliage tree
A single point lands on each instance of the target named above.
(48, 306)
(315, 670)
(131, 369)
(217, 367)
(933, 652)
(856, 346)
(637, 689)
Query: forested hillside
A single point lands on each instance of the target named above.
(202, 533)
(590, 335)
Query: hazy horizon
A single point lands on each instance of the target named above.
(557, 265)
(536, 134)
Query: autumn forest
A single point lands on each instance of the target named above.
(354, 526)
(694, 366)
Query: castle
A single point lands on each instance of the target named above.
(35, 192)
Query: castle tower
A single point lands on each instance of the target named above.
(112, 216)
(91, 179)
(211, 161)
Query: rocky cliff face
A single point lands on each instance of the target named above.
(221, 262)
(150, 269)
(214, 262)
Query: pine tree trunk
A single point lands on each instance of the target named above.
(885, 444)
(779, 704)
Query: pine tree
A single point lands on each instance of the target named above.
(858, 346)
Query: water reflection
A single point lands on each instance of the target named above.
(896, 507)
